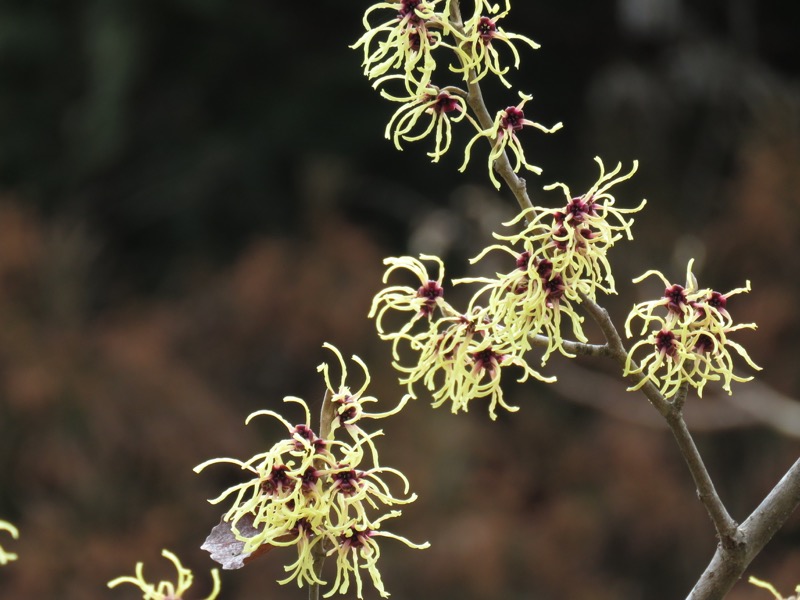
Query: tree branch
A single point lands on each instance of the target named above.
(728, 564)
(725, 526)
(326, 417)
(502, 165)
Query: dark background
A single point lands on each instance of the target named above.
(195, 194)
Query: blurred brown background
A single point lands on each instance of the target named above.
(195, 194)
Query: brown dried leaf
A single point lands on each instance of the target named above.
(228, 551)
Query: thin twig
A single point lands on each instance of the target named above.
(326, 417)
(502, 165)
(726, 527)
(577, 348)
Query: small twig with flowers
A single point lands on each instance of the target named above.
(559, 265)
(315, 493)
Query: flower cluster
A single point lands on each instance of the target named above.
(402, 49)
(559, 257)
(772, 590)
(459, 356)
(166, 590)
(409, 37)
(319, 494)
(7, 557)
(688, 337)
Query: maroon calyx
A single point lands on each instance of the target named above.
(666, 343)
(309, 478)
(576, 211)
(512, 119)
(431, 292)
(487, 29)
(408, 10)
(487, 361)
(445, 103)
(524, 260)
(676, 298)
(347, 482)
(718, 301)
(555, 288)
(277, 481)
(704, 344)
(355, 538)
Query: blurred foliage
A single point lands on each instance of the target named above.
(195, 194)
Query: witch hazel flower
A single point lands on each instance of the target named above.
(283, 489)
(166, 590)
(502, 135)
(307, 491)
(406, 40)
(441, 107)
(689, 338)
(577, 236)
(477, 46)
(423, 301)
(462, 361)
(356, 549)
(349, 405)
(352, 489)
(5, 556)
(530, 300)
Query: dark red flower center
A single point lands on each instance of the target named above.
(513, 119)
(544, 268)
(577, 209)
(717, 300)
(704, 344)
(277, 480)
(487, 360)
(487, 29)
(523, 260)
(431, 291)
(356, 538)
(445, 103)
(309, 478)
(676, 298)
(665, 342)
(347, 481)
(555, 289)
(304, 432)
(408, 8)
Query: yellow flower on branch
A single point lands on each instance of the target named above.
(306, 491)
(462, 360)
(7, 557)
(166, 590)
(356, 549)
(576, 237)
(349, 404)
(409, 38)
(477, 46)
(502, 135)
(437, 104)
(423, 301)
(284, 488)
(690, 342)
(531, 300)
